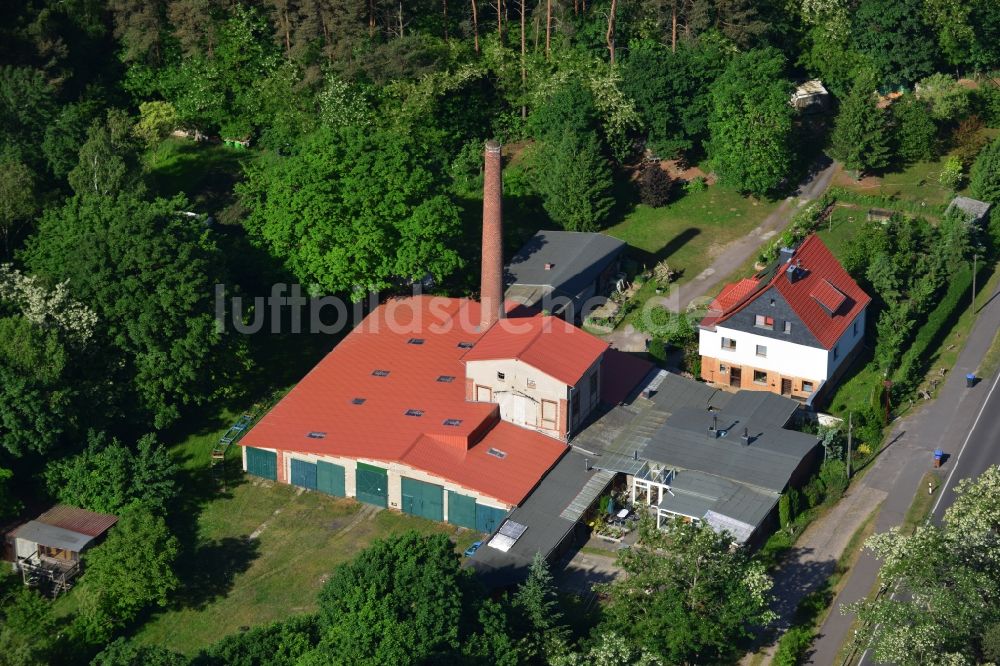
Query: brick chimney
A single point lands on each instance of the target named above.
(491, 281)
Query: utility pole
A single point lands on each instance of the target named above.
(850, 438)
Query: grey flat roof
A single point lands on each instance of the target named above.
(577, 258)
(540, 513)
(697, 494)
(52, 536)
(768, 461)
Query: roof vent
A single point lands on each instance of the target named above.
(453, 423)
(358, 401)
(713, 430)
(746, 437)
(549, 266)
(316, 435)
(497, 453)
(414, 412)
(785, 254)
(795, 271)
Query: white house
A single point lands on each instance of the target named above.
(788, 329)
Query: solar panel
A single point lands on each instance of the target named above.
(501, 543)
(512, 529)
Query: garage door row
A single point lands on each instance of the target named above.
(419, 498)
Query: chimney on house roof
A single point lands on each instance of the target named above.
(491, 280)
(786, 254)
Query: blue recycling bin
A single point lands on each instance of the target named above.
(938, 456)
(970, 380)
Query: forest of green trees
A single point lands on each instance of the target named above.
(365, 121)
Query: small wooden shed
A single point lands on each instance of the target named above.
(47, 549)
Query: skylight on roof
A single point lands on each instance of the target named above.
(453, 422)
(380, 373)
(414, 412)
(316, 435)
(415, 341)
(465, 345)
(446, 379)
(497, 453)
(358, 401)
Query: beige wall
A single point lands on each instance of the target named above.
(524, 387)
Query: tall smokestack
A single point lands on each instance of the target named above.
(491, 281)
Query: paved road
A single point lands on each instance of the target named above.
(947, 422)
(981, 450)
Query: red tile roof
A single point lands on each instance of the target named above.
(550, 344)
(78, 520)
(731, 295)
(824, 296)
(417, 341)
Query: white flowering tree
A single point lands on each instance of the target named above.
(947, 580)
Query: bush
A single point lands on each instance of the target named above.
(793, 646)
(968, 140)
(947, 98)
(654, 186)
(696, 184)
(984, 179)
(951, 173)
(658, 349)
(813, 492)
(833, 476)
(784, 511)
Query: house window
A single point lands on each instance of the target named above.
(723, 368)
(576, 405)
(759, 377)
(855, 328)
(788, 327)
(761, 321)
(501, 377)
(807, 387)
(454, 423)
(772, 302)
(414, 412)
(484, 393)
(531, 383)
(549, 411)
(836, 352)
(465, 345)
(415, 341)
(446, 379)
(380, 373)
(316, 435)
(729, 344)
(593, 386)
(762, 351)
(358, 401)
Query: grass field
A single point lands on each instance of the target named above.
(206, 172)
(690, 231)
(231, 580)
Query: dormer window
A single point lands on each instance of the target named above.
(763, 321)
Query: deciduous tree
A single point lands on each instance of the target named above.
(688, 596)
(131, 571)
(750, 122)
(914, 131)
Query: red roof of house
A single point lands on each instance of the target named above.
(78, 520)
(415, 342)
(823, 295)
(550, 344)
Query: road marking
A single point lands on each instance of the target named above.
(962, 450)
(944, 486)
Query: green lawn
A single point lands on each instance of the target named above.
(689, 232)
(206, 172)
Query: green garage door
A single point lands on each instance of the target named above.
(303, 474)
(488, 519)
(423, 499)
(330, 478)
(262, 463)
(373, 485)
(461, 510)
